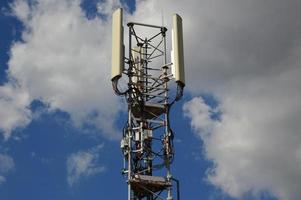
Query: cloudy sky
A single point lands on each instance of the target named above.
(238, 128)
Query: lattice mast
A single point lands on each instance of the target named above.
(147, 140)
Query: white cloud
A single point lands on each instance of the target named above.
(107, 6)
(13, 109)
(64, 61)
(6, 165)
(198, 111)
(83, 164)
(255, 147)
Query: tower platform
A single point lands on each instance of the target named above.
(144, 185)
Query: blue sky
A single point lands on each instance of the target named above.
(60, 123)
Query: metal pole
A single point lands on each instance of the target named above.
(129, 114)
(169, 196)
(129, 154)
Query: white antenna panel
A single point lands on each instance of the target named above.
(178, 50)
(173, 71)
(117, 44)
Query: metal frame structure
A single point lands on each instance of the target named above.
(147, 142)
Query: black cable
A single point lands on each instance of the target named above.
(115, 86)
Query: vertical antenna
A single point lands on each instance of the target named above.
(162, 17)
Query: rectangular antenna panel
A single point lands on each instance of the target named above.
(173, 71)
(117, 44)
(178, 50)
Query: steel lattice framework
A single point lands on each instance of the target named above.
(147, 142)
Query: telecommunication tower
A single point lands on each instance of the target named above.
(147, 140)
